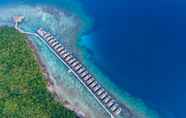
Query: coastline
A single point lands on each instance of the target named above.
(56, 79)
(78, 97)
(75, 94)
(54, 90)
(25, 78)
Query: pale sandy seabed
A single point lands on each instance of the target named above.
(66, 27)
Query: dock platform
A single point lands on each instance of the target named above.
(110, 104)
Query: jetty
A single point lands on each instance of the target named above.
(103, 97)
(82, 73)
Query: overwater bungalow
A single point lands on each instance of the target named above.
(72, 61)
(107, 99)
(81, 70)
(60, 49)
(110, 103)
(93, 84)
(46, 35)
(49, 38)
(68, 58)
(84, 74)
(103, 95)
(100, 91)
(57, 46)
(87, 77)
(118, 111)
(96, 88)
(55, 43)
(74, 64)
(51, 41)
(62, 52)
(66, 54)
(77, 67)
(90, 81)
(114, 107)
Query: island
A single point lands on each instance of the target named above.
(23, 87)
(102, 96)
(47, 72)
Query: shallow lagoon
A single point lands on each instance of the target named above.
(62, 25)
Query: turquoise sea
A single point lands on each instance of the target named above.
(134, 48)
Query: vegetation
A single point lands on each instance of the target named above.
(23, 92)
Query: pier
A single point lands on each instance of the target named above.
(109, 103)
(103, 97)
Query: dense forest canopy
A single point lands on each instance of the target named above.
(23, 92)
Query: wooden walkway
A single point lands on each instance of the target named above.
(106, 100)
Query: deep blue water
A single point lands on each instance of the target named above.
(147, 40)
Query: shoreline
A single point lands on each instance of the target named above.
(51, 86)
(50, 79)
(25, 79)
(76, 104)
(54, 90)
